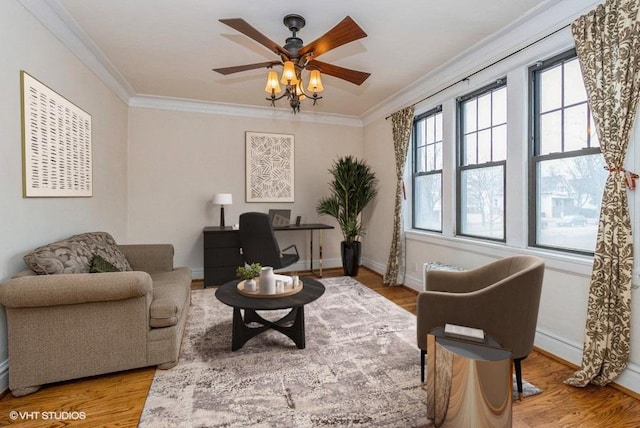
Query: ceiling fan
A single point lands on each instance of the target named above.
(295, 57)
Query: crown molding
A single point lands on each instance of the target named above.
(549, 16)
(545, 18)
(61, 24)
(227, 109)
(54, 17)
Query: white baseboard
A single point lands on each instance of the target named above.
(197, 273)
(409, 280)
(373, 265)
(572, 352)
(301, 265)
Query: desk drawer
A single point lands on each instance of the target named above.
(223, 257)
(229, 238)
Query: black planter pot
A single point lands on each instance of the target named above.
(350, 257)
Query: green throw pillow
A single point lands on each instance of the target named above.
(99, 265)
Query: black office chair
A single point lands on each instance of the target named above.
(259, 244)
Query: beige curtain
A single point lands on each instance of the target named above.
(608, 46)
(402, 121)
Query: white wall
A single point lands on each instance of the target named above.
(28, 222)
(565, 292)
(378, 215)
(179, 159)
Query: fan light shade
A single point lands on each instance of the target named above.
(272, 83)
(222, 199)
(315, 83)
(289, 74)
(299, 91)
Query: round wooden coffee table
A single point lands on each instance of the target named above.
(291, 325)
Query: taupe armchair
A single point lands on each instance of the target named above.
(501, 298)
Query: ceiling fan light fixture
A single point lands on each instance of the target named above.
(299, 92)
(315, 83)
(289, 77)
(273, 86)
(294, 56)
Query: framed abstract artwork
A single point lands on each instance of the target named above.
(56, 143)
(269, 167)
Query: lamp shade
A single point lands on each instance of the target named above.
(299, 91)
(315, 83)
(222, 199)
(272, 83)
(289, 74)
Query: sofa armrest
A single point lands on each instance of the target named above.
(150, 258)
(72, 289)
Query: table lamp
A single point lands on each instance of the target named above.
(222, 199)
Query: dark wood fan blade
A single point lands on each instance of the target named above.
(245, 28)
(353, 76)
(346, 31)
(239, 68)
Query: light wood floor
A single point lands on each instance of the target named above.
(116, 400)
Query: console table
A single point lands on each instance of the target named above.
(222, 253)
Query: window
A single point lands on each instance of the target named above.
(427, 170)
(482, 154)
(567, 172)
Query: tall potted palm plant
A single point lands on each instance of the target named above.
(352, 188)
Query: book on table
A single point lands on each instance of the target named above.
(465, 333)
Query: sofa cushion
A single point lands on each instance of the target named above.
(74, 254)
(100, 265)
(60, 257)
(103, 244)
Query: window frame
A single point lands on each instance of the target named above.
(415, 174)
(460, 154)
(534, 146)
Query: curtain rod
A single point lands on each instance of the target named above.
(488, 66)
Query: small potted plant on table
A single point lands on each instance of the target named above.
(249, 273)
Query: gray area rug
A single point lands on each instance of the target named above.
(527, 389)
(360, 368)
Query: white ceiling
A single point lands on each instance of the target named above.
(167, 48)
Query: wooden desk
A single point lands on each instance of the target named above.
(222, 253)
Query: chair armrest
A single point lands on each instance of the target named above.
(291, 246)
(437, 308)
(150, 258)
(72, 289)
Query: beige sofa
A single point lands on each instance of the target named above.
(74, 324)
